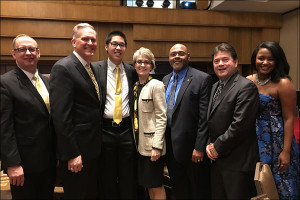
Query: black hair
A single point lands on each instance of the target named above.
(115, 33)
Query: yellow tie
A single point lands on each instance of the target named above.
(43, 93)
(118, 98)
(93, 79)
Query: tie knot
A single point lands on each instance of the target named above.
(35, 77)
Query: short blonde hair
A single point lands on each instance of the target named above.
(144, 52)
(80, 26)
(22, 35)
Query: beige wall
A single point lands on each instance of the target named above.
(290, 42)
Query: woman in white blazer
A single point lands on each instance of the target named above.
(149, 124)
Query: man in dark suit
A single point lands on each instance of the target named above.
(187, 132)
(118, 156)
(75, 106)
(231, 120)
(27, 137)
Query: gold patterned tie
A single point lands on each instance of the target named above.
(43, 93)
(93, 79)
(118, 98)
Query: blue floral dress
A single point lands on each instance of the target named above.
(270, 136)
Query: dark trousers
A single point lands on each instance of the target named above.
(81, 185)
(227, 184)
(189, 180)
(118, 162)
(36, 185)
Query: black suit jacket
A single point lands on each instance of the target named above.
(101, 68)
(76, 111)
(27, 136)
(189, 129)
(231, 123)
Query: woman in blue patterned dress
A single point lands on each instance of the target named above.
(275, 119)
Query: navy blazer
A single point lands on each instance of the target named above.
(189, 129)
(27, 136)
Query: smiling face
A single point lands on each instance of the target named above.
(85, 43)
(265, 62)
(26, 60)
(116, 49)
(224, 65)
(143, 66)
(179, 57)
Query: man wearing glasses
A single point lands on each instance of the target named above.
(118, 153)
(27, 138)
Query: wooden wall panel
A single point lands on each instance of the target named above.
(93, 13)
(179, 33)
(198, 51)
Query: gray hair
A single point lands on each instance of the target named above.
(80, 26)
(144, 52)
(19, 36)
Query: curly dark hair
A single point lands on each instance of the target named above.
(282, 67)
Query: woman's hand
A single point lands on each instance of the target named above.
(283, 161)
(155, 154)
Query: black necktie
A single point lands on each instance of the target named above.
(171, 101)
(217, 93)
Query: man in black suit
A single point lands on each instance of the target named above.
(75, 107)
(27, 137)
(231, 120)
(118, 156)
(187, 131)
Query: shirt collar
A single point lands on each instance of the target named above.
(28, 74)
(112, 66)
(83, 62)
(181, 74)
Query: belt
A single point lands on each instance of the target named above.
(112, 123)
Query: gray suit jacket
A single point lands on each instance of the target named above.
(189, 129)
(231, 123)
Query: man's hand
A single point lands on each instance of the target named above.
(211, 152)
(16, 175)
(75, 164)
(197, 156)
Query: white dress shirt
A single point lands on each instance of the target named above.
(111, 90)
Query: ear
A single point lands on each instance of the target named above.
(106, 48)
(73, 43)
(13, 53)
(236, 62)
(38, 53)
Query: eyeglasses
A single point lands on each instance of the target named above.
(24, 49)
(146, 62)
(180, 53)
(115, 45)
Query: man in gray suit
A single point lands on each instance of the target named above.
(187, 96)
(232, 143)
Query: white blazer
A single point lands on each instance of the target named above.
(152, 118)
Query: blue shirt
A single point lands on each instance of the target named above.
(180, 79)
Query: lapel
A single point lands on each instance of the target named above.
(166, 80)
(229, 85)
(28, 84)
(84, 73)
(213, 90)
(103, 78)
(186, 82)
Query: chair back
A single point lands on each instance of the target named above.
(264, 181)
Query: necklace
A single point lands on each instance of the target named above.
(262, 82)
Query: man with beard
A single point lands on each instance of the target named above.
(118, 154)
(75, 106)
(187, 96)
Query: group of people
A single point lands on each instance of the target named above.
(110, 126)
